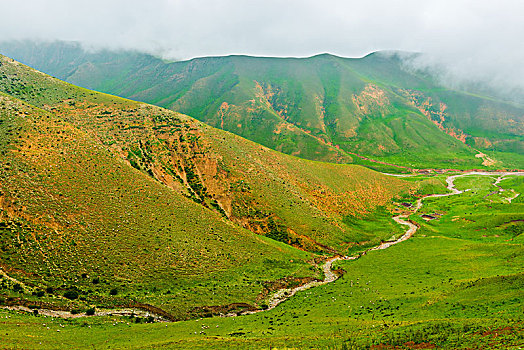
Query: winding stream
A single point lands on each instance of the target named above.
(329, 275)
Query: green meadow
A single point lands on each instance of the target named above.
(456, 284)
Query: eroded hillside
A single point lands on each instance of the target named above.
(265, 191)
(124, 203)
(323, 108)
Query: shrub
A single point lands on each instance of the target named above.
(71, 294)
(90, 312)
(113, 291)
(277, 231)
(18, 288)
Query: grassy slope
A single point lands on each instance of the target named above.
(450, 286)
(73, 213)
(294, 200)
(80, 202)
(271, 100)
(370, 106)
(485, 122)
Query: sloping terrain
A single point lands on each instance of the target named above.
(122, 202)
(308, 107)
(112, 203)
(457, 284)
(76, 219)
(263, 190)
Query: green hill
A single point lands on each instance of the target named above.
(372, 106)
(124, 203)
(74, 218)
(457, 284)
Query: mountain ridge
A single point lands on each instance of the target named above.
(272, 100)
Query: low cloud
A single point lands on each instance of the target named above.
(464, 41)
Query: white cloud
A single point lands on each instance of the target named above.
(472, 39)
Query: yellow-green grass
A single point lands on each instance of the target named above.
(122, 202)
(31, 332)
(300, 202)
(72, 213)
(443, 292)
(434, 290)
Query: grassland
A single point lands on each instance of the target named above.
(304, 203)
(450, 286)
(108, 202)
(76, 218)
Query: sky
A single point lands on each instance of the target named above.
(463, 40)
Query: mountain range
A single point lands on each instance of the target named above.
(239, 197)
(327, 108)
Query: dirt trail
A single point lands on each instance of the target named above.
(14, 280)
(101, 312)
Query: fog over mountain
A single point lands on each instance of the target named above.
(464, 42)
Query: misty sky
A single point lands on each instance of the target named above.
(476, 39)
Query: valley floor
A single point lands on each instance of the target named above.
(457, 283)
